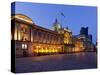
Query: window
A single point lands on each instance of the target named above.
(24, 46)
(24, 32)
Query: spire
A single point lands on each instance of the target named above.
(56, 21)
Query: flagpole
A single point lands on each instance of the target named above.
(59, 18)
(64, 17)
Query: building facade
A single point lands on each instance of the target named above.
(83, 41)
(67, 36)
(32, 39)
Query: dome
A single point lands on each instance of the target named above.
(22, 17)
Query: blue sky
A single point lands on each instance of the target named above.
(75, 16)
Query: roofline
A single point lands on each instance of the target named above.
(36, 26)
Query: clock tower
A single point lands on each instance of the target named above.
(56, 25)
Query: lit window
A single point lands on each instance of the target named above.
(25, 46)
(22, 46)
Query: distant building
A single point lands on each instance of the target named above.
(84, 31)
(83, 41)
(79, 46)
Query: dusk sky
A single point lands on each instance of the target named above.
(74, 17)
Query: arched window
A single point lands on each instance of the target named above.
(24, 34)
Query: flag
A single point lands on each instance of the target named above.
(62, 14)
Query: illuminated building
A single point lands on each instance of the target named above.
(87, 39)
(31, 39)
(79, 46)
(83, 42)
(67, 35)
